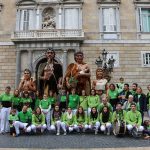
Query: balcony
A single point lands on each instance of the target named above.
(48, 35)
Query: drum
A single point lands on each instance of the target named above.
(119, 128)
(136, 133)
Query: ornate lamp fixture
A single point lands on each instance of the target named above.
(105, 64)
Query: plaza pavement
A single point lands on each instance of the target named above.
(87, 141)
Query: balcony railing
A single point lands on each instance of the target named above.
(58, 34)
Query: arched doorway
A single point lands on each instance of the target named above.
(39, 66)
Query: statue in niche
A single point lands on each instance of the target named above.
(49, 19)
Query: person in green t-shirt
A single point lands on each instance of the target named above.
(45, 106)
(63, 100)
(81, 120)
(93, 118)
(68, 120)
(6, 101)
(146, 131)
(16, 100)
(93, 100)
(134, 119)
(24, 121)
(112, 95)
(56, 119)
(37, 100)
(12, 118)
(120, 85)
(106, 120)
(26, 99)
(84, 101)
(38, 121)
(73, 100)
(52, 99)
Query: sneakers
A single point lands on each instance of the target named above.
(65, 133)
(58, 133)
(96, 131)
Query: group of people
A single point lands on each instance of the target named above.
(72, 103)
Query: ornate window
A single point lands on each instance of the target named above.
(143, 18)
(109, 19)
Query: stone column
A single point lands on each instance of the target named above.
(65, 59)
(18, 68)
(30, 60)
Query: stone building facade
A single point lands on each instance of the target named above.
(29, 27)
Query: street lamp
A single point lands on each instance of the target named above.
(105, 64)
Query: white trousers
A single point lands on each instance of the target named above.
(130, 127)
(65, 127)
(106, 126)
(20, 125)
(58, 125)
(5, 119)
(149, 112)
(40, 127)
(48, 116)
(96, 126)
(76, 127)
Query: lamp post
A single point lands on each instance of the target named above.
(105, 64)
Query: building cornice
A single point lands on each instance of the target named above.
(141, 1)
(109, 1)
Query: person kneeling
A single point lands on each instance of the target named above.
(134, 120)
(105, 120)
(38, 121)
(80, 120)
(94, 120)
(24, 121)
(57, 120)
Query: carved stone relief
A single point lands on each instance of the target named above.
(49, 18)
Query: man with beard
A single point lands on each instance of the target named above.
(50, 74)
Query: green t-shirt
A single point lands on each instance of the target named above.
(52, 100)
(134, 118)
(26, 100)
(38, 119)
(81, 120)
(5, 97)
(16, 100)
(119, 115)
(37, 103)
(73, 101)
(113, 94)
(84, 102)
(11, 119)
(68, 119)
(45, 104)
(93, 101)
(63, 98)
(25, 117)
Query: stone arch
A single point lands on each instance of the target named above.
(39, 64)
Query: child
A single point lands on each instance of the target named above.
(52, 99)
(63, 100)
(12, 118)
(37, 100)
(105, 120)
(80, 122)
(45, 106)
(57, 120)
(146, 131)
(94, 120)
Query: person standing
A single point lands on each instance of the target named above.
(6, 102)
